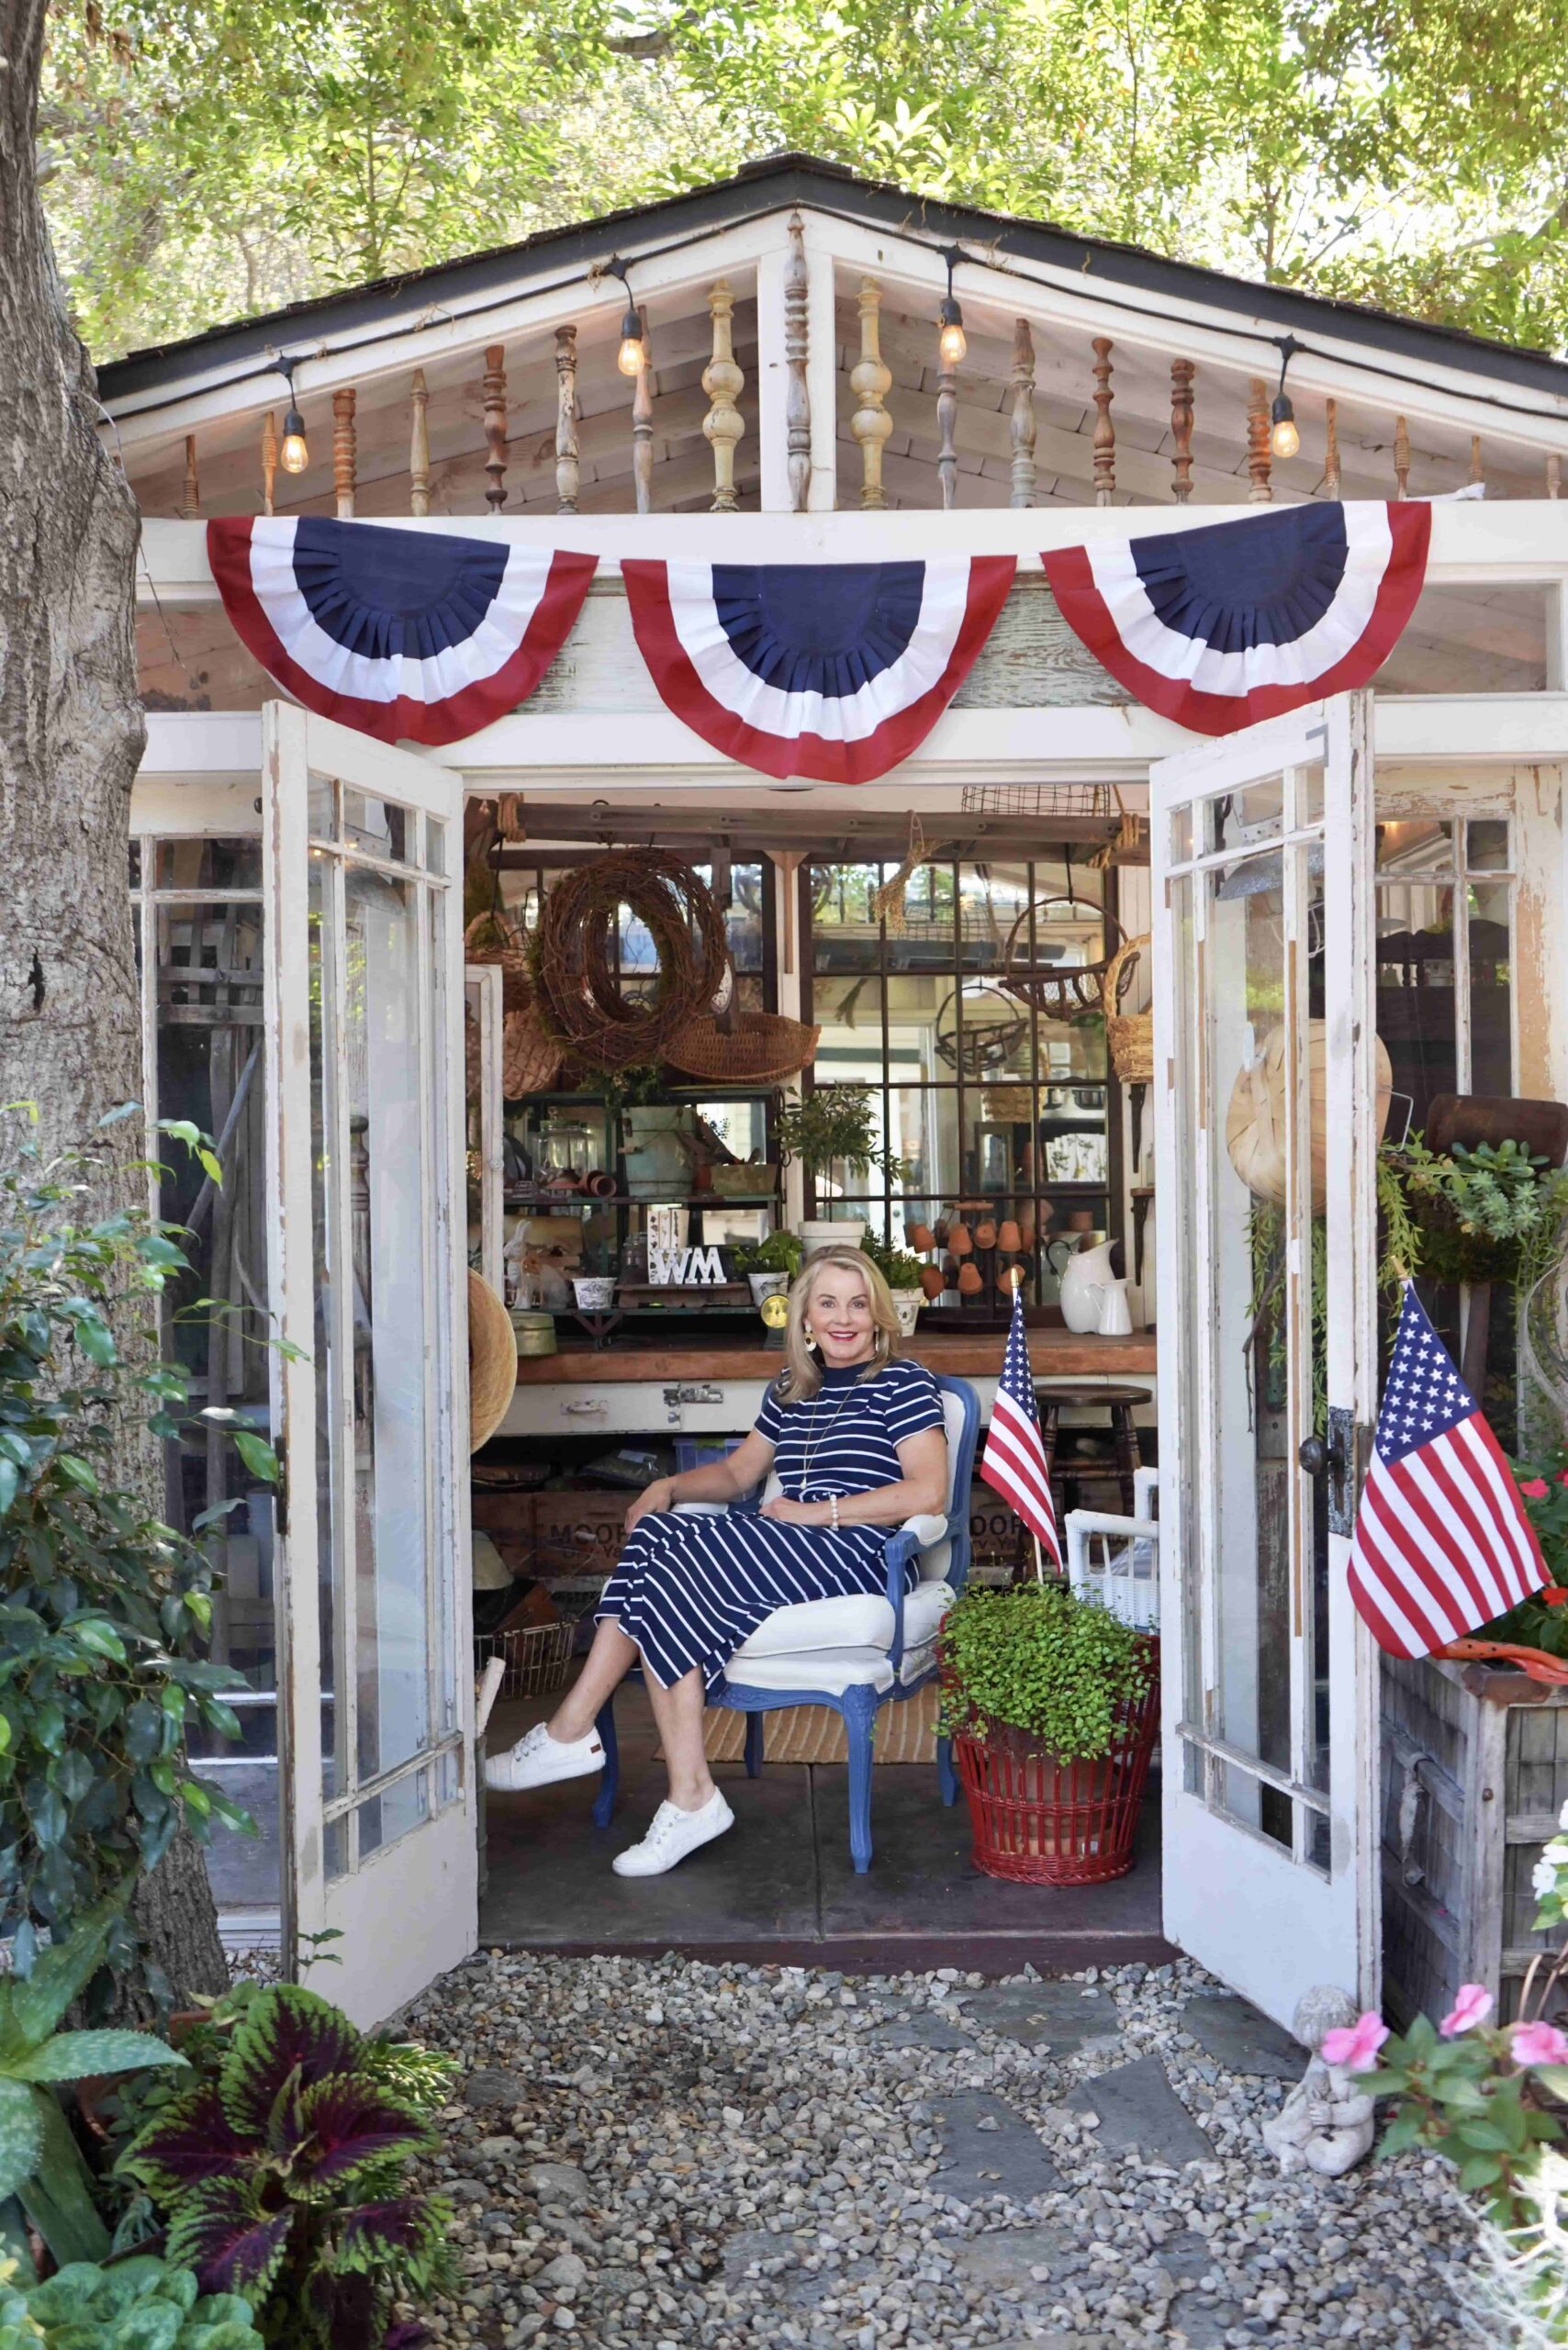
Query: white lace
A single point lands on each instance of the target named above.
(666, 1821)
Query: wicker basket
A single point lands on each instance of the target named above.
(1039, 1820)
(1130, 1034)
(531, 1061)
(537, 1657)
(491, 938)
(762, 1048)
(1057, 991)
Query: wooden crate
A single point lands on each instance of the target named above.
(1474, 1775)
(578, 1531)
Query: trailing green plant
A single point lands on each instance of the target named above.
(282, 2174)
(104, 1610)
(141, 2304)
(782, 1252)
(835, 1126)
(897, 1266)
(40, 2163)
(1034, 1657)
(1491, 1213)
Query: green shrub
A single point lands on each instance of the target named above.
(141, 2304)
(780, 1253)
(1035, 1657)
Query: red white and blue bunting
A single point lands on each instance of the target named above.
(834, 671)
(408, 635)
(1221, 626)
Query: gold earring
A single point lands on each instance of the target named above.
(807, 1333)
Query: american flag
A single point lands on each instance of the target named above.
(1442, 1543)
(1013, 1460)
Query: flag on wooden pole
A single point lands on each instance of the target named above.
(1442, 1543)
(1014, 1461)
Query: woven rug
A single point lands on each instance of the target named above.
(906, 1733)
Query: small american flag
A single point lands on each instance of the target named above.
(1442, 1543)
(1013, 1460)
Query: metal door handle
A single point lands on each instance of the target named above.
(1313, 1455)
(588, 1407)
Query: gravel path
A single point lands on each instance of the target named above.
(672, 2156)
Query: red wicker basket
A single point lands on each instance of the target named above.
(1043, 1822)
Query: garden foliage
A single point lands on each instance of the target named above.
(141, 2304)
(1034, 1657)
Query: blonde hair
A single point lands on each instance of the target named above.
(803, 1374)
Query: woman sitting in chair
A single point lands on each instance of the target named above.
(859, 1442)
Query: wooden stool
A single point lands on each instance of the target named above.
(1051, 1397)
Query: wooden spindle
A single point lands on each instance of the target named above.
(418, 444)
(723, 383)
(345, 451)
(495, 394)
(1023, 422)
(1401, 457)
(190, 507)
(1331, 449)
(269, 459)
(946, 431)
(1476, 475)
(1554, 477)
(870, 380)
(642, 429)
(1104, 430)
(1259, 457)
(797, 351)
(569, 469)
(1182, 372)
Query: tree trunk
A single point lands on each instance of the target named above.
(71, 737)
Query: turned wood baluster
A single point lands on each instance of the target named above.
(495, 393)
(1104, 430)
(796, 350)
(1401, 457)
(723, 383)
(1259, 457)
(269, 459)
(1023, 415)
(1331, 449)
(642, 429)
(418, 445)
(344, 450)
(1182, 372)
(190, 508)
(1554, 477)
(568, 470)
(870, 380)
(947, 428)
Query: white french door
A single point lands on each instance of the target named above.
(362, 873)
(1262, 850)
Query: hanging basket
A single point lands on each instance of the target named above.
(531, 1060)
(762, 1048)
(1038, 1819)
(491, 938)
(1057, 991)
(575, 965)
(1129, 1035)
(1255, 1117)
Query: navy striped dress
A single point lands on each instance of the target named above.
(690, 1589)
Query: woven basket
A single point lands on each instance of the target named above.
(537, 1657)
(762, 1048)
(531, 1061)
(492, 1361)
(1129, 1035)
(491, 938)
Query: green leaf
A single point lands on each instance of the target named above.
(1484, 2137)
(58, 2198)
(98, 1637)
(257, 1455)
(72, 2055)
(21, 2134)
(1479, 2170)
(76, 1471)
(9, 1480)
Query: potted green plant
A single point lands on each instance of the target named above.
(1053, 1705)
(901, 1273)
(834, 1127)
(769, 1265)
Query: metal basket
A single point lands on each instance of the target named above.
(537, 1657)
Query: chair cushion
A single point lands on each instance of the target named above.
(863, 1620)
(827, 1671)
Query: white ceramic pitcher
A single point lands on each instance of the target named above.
(1083, 1274)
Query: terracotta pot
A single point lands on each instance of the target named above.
(1009, 1238)
(932, 1279)
(985, 1234)
(921, 1236)
(970, 1279)
(959, 1240)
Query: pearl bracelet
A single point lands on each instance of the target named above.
(833, 1504)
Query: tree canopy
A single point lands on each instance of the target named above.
(209, 158)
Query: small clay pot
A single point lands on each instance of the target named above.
(959, 1240)
(921, 1236)
(1008, 1236)
(939, 1233)
(985, 1234)
(970, 1280)
(932, 1279)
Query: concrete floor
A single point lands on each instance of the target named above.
(780, 1885)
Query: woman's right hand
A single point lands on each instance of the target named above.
(660, 1495)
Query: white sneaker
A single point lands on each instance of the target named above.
(674, 1834)
(538, 1760)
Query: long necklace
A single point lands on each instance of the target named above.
(809, 1451)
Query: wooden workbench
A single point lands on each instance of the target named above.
(1056, 1354)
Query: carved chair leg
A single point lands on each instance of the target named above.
(753, 1746)
(946, 1777)
(858, 1708)
(604, 1802)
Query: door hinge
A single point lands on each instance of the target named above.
(1350, 1454)
(280, 1497)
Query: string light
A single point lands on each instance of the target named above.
(951, 341)
(633, 355)
(1284, 438)
(294, 455)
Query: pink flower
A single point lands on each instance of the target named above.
(1533, 1488)
(1563, 1476)
(1539, 2043)
(1472, 2006)
(1356, 2047)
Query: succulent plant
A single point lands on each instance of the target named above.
(141, 2304)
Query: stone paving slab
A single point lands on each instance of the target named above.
(1241, 2038)
(989, 2149)
(1063, 2016)
(1002, 2257)
(1140, 2109)
(922, 2030)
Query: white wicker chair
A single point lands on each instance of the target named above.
(1116, 1560)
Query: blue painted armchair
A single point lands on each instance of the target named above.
(855, 1654)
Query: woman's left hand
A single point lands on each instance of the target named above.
(789, 1512)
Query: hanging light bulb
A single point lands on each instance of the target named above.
(951, 341)
(1284, 438)
(632, 357)
(294, 455)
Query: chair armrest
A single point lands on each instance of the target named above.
(928, 1529)
(902, 1547)
(701, 1509)
(1103, 1521)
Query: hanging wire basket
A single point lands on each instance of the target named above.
(536, 1658)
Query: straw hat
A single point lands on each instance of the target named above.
(492, 1363)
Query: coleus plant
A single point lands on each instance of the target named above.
(282, 2178)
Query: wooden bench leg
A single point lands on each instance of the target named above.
(1128, 1458)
